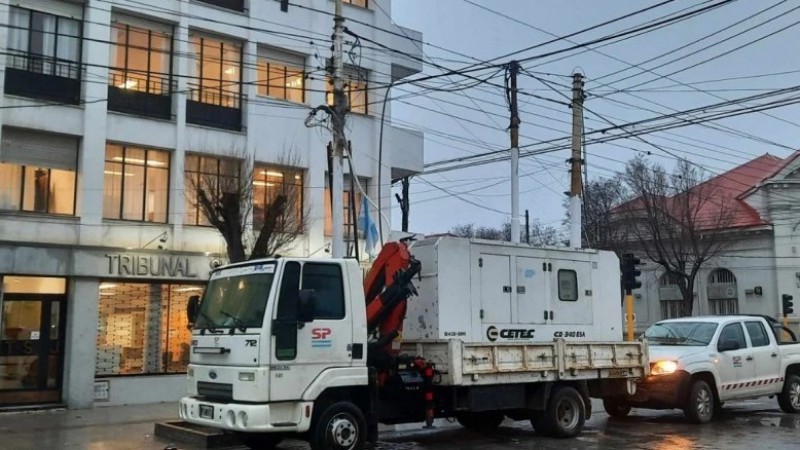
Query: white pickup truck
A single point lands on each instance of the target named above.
(698, 363)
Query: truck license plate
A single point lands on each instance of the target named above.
(206, 412)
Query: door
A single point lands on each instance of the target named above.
(737, 368)
(766, 357)
(301, 351)
(495, 289)
(570, 292)
(532, 289)
(31, 349)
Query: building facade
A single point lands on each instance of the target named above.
(110, 110)
(761, 260)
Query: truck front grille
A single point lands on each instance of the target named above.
(216, 391)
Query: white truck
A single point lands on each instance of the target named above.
(698, 363)
(297, 347)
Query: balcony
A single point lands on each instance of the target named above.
(409, 42)
(407, 149)
(211, 108)
(140, 94)
(43, 78)
(236, 5)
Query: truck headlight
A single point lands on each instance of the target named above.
(664, 368)
(247, 376)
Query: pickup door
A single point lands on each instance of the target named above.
(767, 358)
(737, 368)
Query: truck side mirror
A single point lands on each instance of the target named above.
(192, 308)
(307, 305)
(728, 345)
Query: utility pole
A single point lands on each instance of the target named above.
(513, 68)
(405, 204)
(576, 160)
(527, 227)
(339, 143)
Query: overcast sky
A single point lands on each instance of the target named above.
(485, 190)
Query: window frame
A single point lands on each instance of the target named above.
(352, 2)
(54, 60)
(218, 176)
(741, 330)
(263, 80)
(258, 168)
(340, 276)
(196, 80)
(763, 332)
(574, 275)
(352, 75)
(21, 201)
(150, 51)
(123, 163)
(327, 218)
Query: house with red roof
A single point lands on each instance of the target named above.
(761, 259)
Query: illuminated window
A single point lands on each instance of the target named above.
(44, 43)
(356, 89)
(361, 3)
(140, 59)
(208, 173)
(143, 328)
(216, 72)
(281, 75)
(136, 184)
(347, 208)
(268, 183)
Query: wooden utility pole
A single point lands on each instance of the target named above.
(576, 160)
(338, 117)
(513, 68)
(405, 204)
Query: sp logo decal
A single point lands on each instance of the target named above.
(320, 333)
(320, 337)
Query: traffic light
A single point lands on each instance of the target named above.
(630, 272)
(787, 304)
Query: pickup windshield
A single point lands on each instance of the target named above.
(236, 298)
(681, 333)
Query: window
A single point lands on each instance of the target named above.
(140, 59)
(347, 207)
(355, 87)
(281, 75)
(44, 43)
(326, 281)
(361, 3)
(268, 183)
(567, 285)
(143, 328)
(733, 332)
(758, 335)
(37, 172)
(216, 72)
(208, 173)
(136, 184)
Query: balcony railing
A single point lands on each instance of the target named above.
(212, 108)
(43, 77)
(236, 5)
(145, 94)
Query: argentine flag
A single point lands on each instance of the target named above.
(366, 224)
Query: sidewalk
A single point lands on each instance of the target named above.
(113, 428)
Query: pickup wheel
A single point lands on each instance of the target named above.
(481, 422)
(564, 416)
(616, 408)
(340, 426)
(789, 398)
(700, 404)
(260, 441)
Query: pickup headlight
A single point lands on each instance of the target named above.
(664, 368)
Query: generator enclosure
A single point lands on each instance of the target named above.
(494, 292)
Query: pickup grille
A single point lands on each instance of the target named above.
(216, 391)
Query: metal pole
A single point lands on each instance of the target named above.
(629, 314)
(576, 186)
(338, 119)
(527, 227)
(515, 234)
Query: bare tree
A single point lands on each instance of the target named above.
(678, 221)
(600, 198)
(254, 222)
(540, 234)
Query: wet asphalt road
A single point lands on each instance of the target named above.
(758, 425)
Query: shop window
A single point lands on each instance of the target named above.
(268, 183)
(212, 174)
(136, 184)
(281, 75)
(143, 328)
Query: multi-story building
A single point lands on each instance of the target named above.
(109, 109)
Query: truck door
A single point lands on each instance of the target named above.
(495, 289)
(571, 302)
(532, 291)
(766, 357)
(301, 351)
(737, 368)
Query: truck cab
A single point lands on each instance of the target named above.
(268, 337)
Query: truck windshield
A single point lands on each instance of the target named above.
(681, 333)
(236, 298)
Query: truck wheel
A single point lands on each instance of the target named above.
(481, 422)
(340, 426)
(260, 441)
(616, 408)
(700, 404)
(789, 398)
(564, 416)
